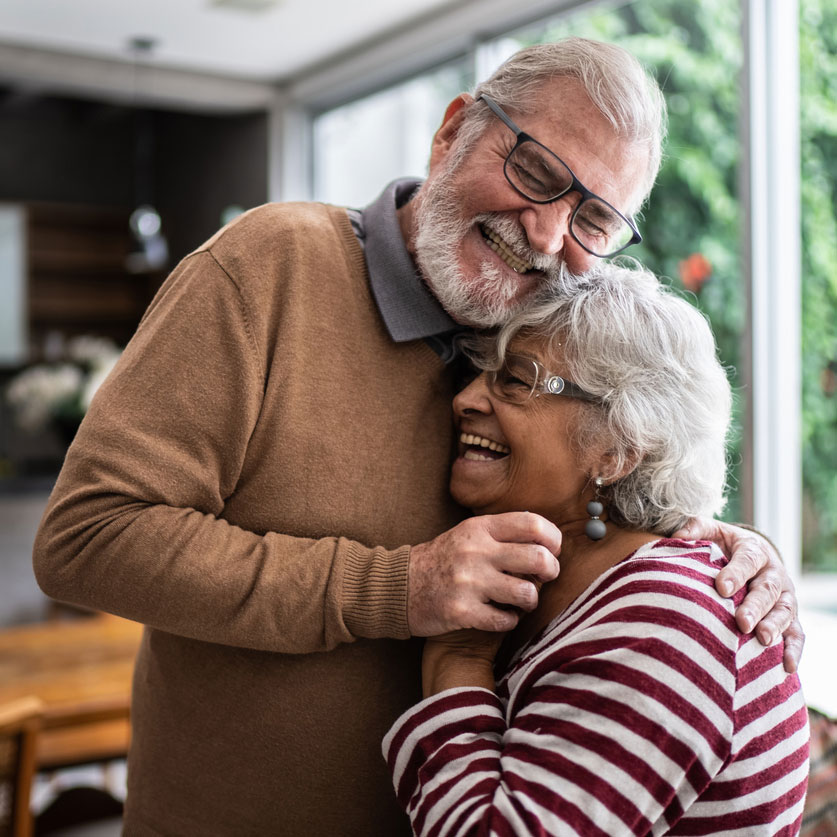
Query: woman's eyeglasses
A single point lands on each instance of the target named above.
(521, 378)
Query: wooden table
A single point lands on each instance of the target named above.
(81, 670)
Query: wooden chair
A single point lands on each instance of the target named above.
(92, 732)
(19, 724)
(95, 731)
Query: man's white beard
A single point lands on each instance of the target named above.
(489, 298)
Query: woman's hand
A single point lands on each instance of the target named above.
(459, 658)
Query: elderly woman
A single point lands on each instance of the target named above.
(628, 702)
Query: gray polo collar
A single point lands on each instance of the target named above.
(408, 309)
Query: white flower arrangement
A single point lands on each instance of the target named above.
(62, 391)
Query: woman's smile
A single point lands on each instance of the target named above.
(481, 449)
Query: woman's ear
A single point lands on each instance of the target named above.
(446, 135)
(610, 469)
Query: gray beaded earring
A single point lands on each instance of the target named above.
(595, 529)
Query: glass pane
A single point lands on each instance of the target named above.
(13, 330)
(691, 224)
(818, 68)
(362, 146)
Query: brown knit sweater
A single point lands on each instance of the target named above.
(244, 484)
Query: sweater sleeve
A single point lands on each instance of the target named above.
(135, 522)
(615, 732)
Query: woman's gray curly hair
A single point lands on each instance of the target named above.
(665, 401)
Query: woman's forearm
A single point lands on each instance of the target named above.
(448, 671)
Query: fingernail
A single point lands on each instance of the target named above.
(748, 621)
(726, 587)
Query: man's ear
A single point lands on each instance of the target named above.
(446, 135)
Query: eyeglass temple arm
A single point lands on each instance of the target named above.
(500, 113)
(577, 392)
(573, 390)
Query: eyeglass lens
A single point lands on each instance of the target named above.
(541, 176)
(516, 380)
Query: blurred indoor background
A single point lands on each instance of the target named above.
(130, 132)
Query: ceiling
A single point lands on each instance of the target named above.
(239, 55)
(265, 40)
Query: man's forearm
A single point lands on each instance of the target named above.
(188, 573)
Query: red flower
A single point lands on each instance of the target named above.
(828, 379)
(694, 271)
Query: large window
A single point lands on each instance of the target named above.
(697, 223)
(363, 145)
(691, 225)
(818, 66)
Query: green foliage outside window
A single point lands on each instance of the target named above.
(818, 59)
(692, 223)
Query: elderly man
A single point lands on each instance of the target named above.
(250, 478)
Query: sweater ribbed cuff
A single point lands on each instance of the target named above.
(374, 592)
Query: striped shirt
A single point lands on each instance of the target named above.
(641, 709)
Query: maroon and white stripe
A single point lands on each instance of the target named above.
(639, 710)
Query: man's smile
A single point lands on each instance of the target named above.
(504, 251)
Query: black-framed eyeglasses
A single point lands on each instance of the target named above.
(541, 176)
(521, 378)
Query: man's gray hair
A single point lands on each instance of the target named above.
(615, 81)
(665, 399)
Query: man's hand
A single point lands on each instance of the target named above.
(458, 579)
(770, 605)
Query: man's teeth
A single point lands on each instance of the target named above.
(482, 442)
(504, 252)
